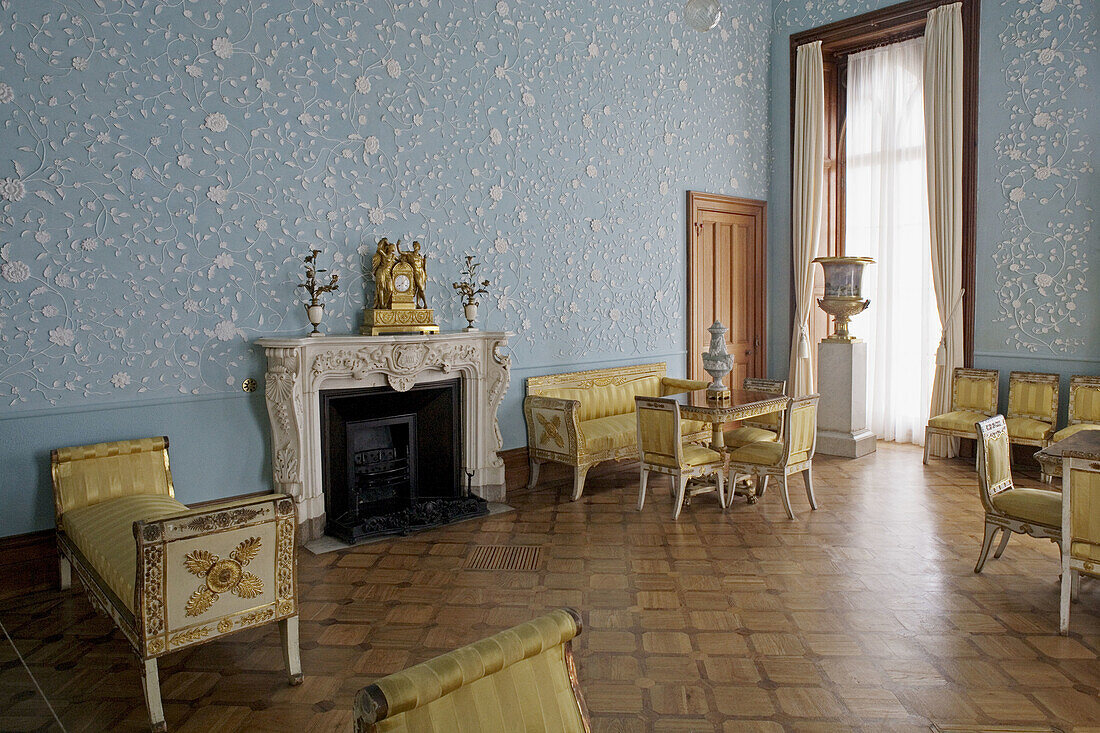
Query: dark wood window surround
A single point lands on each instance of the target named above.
(879, 28)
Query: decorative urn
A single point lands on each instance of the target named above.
(717, 361)
(843, 292)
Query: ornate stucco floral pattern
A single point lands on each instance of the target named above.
(1044, 160)
(161, 172)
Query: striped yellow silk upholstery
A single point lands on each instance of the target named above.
(998, 468)
(738, 437)
(670, 386)
(516, 680)
(1032, 399)
(1084, 400)
(607, 433)
(1029, 428)
(803, 431)
(974, 393)
(1073, 430)
(659, 435)
(697, 455)
(961, 420)
(761, 453)
(89, 474)
(1041, 506)
(1084, 524)
(104, 534)
(612, 399)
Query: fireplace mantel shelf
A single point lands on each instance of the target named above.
(298, 369)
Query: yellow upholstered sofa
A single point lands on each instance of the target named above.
(522, 679)
(583, 418)
(172, 577)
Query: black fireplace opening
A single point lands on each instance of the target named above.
(392, 461)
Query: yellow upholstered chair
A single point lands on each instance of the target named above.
(662, 449)
(1084, 407)
(780, 460)
(1008, 509)
(1080, 526)
(1032, 408)
(522, 679)
(172, 577)
(973, 398)
(765, 427)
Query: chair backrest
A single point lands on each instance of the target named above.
(88, 474)
(994, 459)
(659, 439)
(1084, 399)
(773, 420)
(520, 679)
(1034, 395)
(1081, 506)
(800, 429)
(601, 392)
(975, 390)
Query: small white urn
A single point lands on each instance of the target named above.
(315, 313)
(717, 360)
(469, 311)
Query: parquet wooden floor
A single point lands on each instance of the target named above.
(864, 615)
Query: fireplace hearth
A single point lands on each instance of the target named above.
(392, 460)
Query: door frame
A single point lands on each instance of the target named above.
(697, 202)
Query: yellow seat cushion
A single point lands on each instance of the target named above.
(1085, 551)
(697, 455)
(609, 433)
(104, 534)
(691, 427)
(1028, 428)
(744, 435)
(1074, 429)
(762, 453)
(1031, 505)
(960, 421)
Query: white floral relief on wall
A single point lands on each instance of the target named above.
(1044, 158)
(166, 165)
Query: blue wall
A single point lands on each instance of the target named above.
(164, 168)
(1037, 188)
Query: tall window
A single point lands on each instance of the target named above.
(887, 218)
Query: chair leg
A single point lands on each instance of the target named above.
(579, 472)
(642, 481)
(1075, 586)
(1005, 534)
(288, 633)
(681, 491)
(65, 570)
(1063, 606)
(761, 486)
(532, 472)
(786, 497)
(990, 532)
(927, 446)
(722, 487)
(150, 683)
(808, 479)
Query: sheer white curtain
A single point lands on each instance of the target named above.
(886, 216)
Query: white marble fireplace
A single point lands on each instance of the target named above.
(298, 369)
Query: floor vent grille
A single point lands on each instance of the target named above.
(504, 557)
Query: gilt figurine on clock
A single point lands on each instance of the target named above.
(399, 302)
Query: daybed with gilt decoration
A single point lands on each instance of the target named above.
(522, 679)
(584, 418)
(171, 577)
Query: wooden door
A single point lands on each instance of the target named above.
(727, 281)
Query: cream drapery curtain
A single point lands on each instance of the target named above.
(807, 202)
(943, 124)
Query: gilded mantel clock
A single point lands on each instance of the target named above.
(399, 302)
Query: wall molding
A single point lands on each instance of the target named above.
(124, 405)
(1035, 357)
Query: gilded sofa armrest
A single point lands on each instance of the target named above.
(213, 571)
(671, 386)
(553, 430)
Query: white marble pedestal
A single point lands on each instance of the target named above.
(842, 409)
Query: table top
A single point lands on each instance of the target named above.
(743, 404)
(1086, 441)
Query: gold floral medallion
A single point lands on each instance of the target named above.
(222, 575)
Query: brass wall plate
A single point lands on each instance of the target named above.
(249, 385)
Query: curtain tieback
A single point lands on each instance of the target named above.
(941, 351)
(804, 341)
